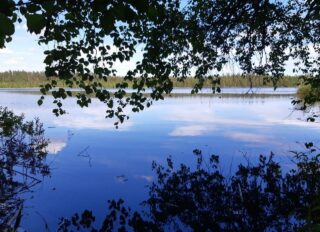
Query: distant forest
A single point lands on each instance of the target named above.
(23, 79)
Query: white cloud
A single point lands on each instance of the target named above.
(12, 61)
(6, 51)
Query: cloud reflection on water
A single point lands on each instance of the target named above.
(248, 137)
(145, 177)
(192, 130)
(201, 119)
(55, 146)
(89, 118)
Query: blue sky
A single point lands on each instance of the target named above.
(24, 53)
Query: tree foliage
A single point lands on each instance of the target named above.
(86, 39)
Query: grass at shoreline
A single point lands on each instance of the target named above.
(22, 79)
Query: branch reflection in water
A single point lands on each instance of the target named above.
(22, 164)
(258, 197)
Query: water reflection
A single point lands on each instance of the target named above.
(234, 112)
(92, 118)
(22, 164)
(55, 146)
(117, 162)
(248, 137)
(257, 197)
(192, 130)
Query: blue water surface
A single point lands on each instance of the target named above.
(92, 162)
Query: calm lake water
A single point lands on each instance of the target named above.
(92, 162)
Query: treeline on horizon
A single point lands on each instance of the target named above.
(24, 79)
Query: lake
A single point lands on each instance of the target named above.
(92, 162)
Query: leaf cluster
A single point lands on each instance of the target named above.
(86, 39)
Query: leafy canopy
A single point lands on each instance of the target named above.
(200, 37)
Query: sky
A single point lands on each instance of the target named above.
(24, 53)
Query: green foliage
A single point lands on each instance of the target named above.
(308, 96)
(257, 197)
(307, 91)
(8, 27)
(35, 22)
(7, 19)
(86, 38)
